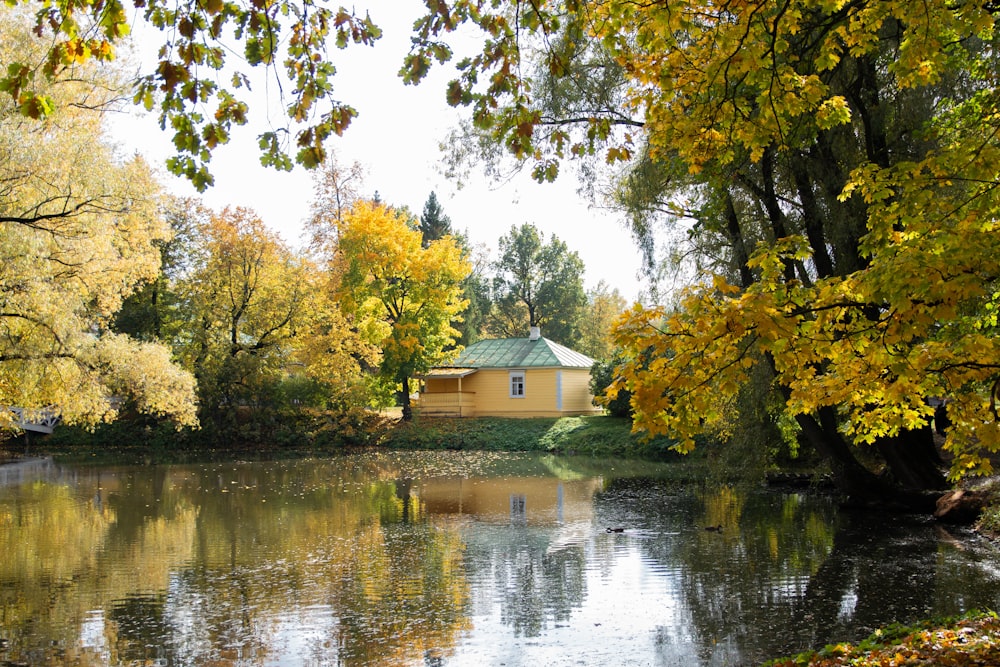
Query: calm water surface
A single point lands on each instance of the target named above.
(421, 559)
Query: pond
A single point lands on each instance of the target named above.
(452, 559)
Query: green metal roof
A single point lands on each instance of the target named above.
(520, 353)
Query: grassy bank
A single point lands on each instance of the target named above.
(592, 435)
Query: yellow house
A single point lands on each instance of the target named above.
(510, 377)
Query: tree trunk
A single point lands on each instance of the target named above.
(914, 480)
(735, 234)
(851, 478)
(407, 408)
(913, 460)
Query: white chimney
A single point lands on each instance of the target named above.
(535, 333)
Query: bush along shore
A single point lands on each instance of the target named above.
(320, 434)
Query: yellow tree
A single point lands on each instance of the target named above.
(403, 296)
(839, 161)
(328, 349)
(243, 304)
(604, 305)
(78, 234)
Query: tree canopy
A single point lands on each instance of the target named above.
(537, 283)
(203, 74)
(434, 224)
(79, 230)
(837, 167)
(402, 296)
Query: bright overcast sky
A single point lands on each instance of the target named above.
(396, 138)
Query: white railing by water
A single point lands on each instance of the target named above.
(40, 420)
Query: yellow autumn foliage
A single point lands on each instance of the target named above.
(79, 229)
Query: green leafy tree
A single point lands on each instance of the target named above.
(434, 225)
(603, 374)
(537, 284)
(153, 312)
(476, 291)
(403, 297)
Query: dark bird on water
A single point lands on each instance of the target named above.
(615, 530)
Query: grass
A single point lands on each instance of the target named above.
(592, 435)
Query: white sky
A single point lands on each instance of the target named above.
(396, 138)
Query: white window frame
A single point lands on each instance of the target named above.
(516, 380)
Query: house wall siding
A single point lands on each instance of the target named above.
(492, 393)
(576, 396)
(486, 393)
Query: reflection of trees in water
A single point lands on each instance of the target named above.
(200, 563)
(892, 568)
(533, 582)
(139, 624)
(218, 563)
(768, 574)
(743, 581)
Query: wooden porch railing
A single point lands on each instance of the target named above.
(447, 404)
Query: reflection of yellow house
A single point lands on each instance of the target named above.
(511, 377)
(531, 500)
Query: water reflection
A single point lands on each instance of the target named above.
(450, 560)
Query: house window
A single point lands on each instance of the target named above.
(517, 384)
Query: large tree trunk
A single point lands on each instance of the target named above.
(851, 478)
(914, 478)
(913, 460)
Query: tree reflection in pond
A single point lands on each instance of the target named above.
(417, 559)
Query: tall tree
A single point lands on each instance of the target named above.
(79, 230)
(243, 305)
(840, 159)
(537, 284)
(434, 224)
(152, 313)
(475, 290)
(402, 296)
(336, 189)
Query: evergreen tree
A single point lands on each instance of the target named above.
(434, 224)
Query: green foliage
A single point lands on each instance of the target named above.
(602, 376)
(264, 434)
(434, 224)
(537, 283)
(288, 40)
(593, 435)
